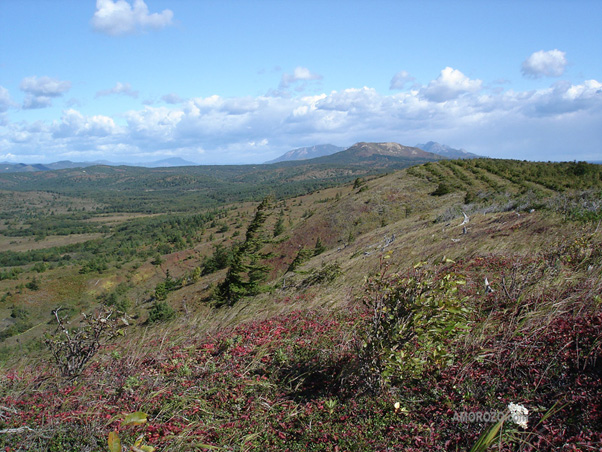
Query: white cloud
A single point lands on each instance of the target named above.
(563, 98)
(8, 157)
(516, 124)
(119, 17)
(300, 74)
(35, 102)
(73, 123)
(450, 84)
(40, 91)
(45, 86)
(400, 79)
(119, 88)
(549, 63)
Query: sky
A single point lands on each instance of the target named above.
(231, 82)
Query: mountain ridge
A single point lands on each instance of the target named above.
(379, 155)
(446, 151)
(7, 167)
(307, 152)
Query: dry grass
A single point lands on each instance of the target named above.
(31, 243)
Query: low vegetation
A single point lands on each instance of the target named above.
(451, 306)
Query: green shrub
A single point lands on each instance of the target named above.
(160, 311)
(302, 256)
(442, 189)
(33, 284)
(414, 319)
(326, 274)
(19, 313)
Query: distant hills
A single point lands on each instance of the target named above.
(324, 150)
(7, 167)
(310, 152)
(379, 155)
(176, 188)
(446, 151)
(173, 161)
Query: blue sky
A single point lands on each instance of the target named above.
(245, 81)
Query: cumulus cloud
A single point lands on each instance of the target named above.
(549, 63)
(450, 84)
(73, 123)
(400, 79)
(563, 97)
(40, 91)
(119, 17)
(35, 102)
(514, 124)
(45, 86)
(119, 88)
(300, 74)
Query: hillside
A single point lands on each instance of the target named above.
(174, 189)
(355, 317)
(379, 155)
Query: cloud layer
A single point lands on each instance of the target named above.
(549, 123)
(120, 17)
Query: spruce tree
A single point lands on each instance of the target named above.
(247, 268)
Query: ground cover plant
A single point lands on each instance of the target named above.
(381, 315)
(297, 381)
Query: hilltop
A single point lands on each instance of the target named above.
(280, 324)
(379, 155)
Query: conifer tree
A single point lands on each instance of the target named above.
(319, 248)
(247, 268)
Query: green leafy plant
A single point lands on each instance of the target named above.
(414, 318)
(132, 419)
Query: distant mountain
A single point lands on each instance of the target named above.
(446, 151)
(67, 164)
(310, 152)
(173, 161)
(379, 155)
(6, 167)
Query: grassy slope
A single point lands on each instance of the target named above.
(280, 371)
